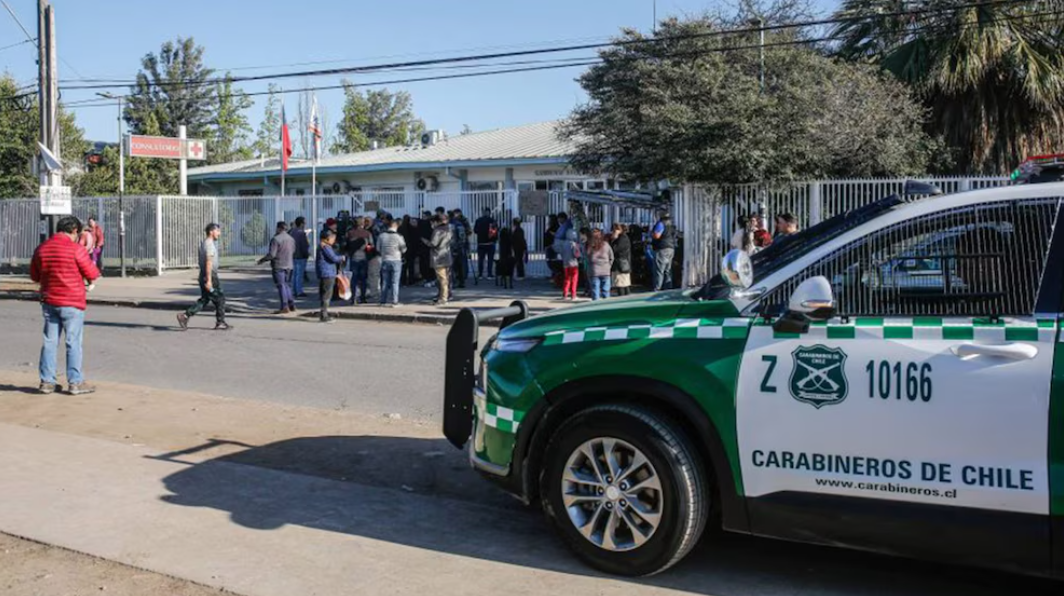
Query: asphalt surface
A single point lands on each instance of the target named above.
(382, 368)
(370, 367)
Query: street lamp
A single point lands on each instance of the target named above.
(121, 185)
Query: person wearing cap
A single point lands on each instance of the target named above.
(331, 225)
(663, 240)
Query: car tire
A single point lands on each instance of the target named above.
(631, 525)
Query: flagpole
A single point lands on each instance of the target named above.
(282, 143)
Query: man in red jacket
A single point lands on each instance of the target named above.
(62, 266)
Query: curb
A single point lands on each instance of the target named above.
(380, 317)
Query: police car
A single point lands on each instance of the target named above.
(804, 394)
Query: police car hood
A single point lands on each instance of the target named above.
(655, 309)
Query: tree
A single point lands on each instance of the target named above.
(377, 115)
(175, 87)
(989, 73)
(19, 133)
(253, 234)
(267, 139)
(229, 138)
(691, 109)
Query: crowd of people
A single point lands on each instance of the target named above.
(602, 261)
(751, 234)
(360, 259)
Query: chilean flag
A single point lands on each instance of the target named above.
(286, 142)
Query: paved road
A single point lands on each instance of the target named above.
(378, 368)
(362, 366)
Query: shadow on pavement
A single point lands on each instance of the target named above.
(433, 500)
(16, 389)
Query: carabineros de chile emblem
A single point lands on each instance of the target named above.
(819, 375)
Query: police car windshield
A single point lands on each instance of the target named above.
(786, 249)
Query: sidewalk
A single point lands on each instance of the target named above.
(250, 290)
(265, 500)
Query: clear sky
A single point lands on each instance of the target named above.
(105, 39)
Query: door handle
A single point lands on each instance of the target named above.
(1013, 351)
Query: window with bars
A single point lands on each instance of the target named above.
(981, 260)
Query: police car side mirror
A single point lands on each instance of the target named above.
(736, 269)
(814, 299)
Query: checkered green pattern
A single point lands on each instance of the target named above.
(505, 419)
(942, 328)
(714, 328)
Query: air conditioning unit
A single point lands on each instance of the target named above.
(336, 188)
(428, 183)
(431, 137)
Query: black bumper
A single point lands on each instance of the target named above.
(460, 366)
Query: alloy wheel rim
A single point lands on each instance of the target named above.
(612, 494)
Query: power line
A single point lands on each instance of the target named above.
(438, 63)
(559, 49)
(29, 37)
(15, 45)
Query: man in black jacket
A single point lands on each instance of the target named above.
(302, 254)
(487, 232)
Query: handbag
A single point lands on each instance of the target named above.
(342, 290)
(624, 265)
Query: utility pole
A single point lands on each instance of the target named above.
(47, 102)
(121, 185)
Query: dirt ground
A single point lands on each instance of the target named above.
(30, 568)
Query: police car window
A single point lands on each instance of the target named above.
(979, 260)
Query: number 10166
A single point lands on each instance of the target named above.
(899, 380)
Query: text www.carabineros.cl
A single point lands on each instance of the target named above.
(888, 487)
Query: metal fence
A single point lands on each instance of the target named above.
(713, 212)
(164, 232)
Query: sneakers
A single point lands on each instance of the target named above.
(223, 326)
(46, 388)
(81, 389)
(182, 321)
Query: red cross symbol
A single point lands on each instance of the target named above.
(195, 150)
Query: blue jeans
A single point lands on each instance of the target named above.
(600, 288)
(390, 272)
(663, 268)
(282, 278)
(359, 276)
(297, 275)
(70, 321)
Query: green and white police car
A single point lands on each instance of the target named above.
(888, 379)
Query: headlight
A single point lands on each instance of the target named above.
(519, 346)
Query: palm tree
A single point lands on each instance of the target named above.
(991, 73)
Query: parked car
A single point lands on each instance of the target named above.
(807, 393)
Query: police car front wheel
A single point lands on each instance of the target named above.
(625, 489)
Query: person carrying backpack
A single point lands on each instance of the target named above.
(487, 231)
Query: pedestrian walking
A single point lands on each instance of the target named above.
(571, 255)
(98, 238)
(622, 260)
(282, 263)
(327, 267)
(442, 259)
(61, 267)
(663, 241)
(600, 265)
(520, 244)
(209, 284)
(300, 257)
(487, 233)
(392, 248)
